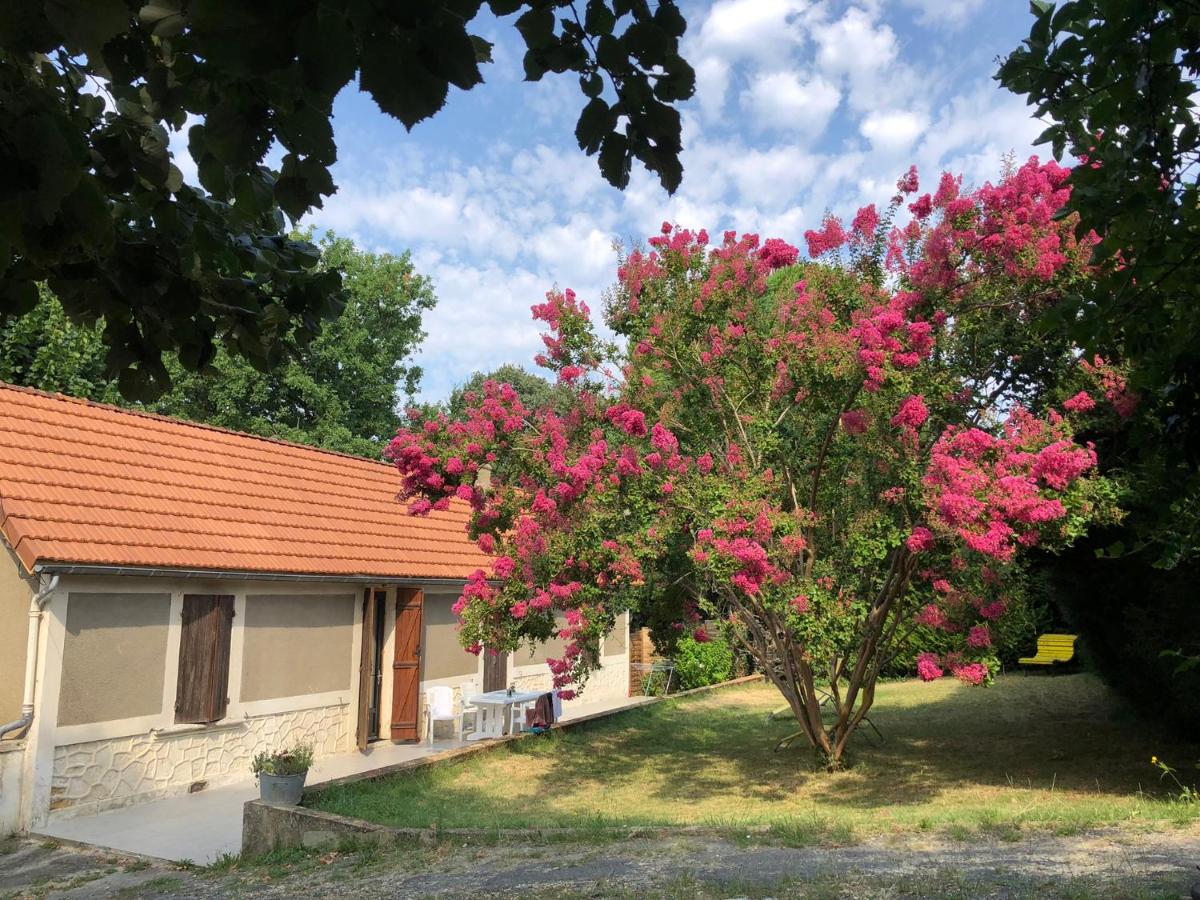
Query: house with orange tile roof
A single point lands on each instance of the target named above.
(175, 598)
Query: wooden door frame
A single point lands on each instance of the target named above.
(408, 638)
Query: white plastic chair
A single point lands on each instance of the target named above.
(439, 707)
(468, 690)
(516, 721)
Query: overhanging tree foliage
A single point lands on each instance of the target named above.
(92, 205)
(822, 456)
(341, 390)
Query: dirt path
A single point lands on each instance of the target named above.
(1100, 864)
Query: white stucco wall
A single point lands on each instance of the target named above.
(609, 682)
(88, 767)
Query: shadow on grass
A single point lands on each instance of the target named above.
(709, 760)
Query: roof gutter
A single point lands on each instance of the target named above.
(57, 569)
(37, 603)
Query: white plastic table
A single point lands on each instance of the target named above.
(492, 711)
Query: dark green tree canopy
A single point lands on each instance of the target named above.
(1116, 79)
(92, 205)
(535, 391)
(341, 390)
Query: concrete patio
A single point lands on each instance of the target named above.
(202, 827)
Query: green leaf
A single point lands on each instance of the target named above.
(17, 297)
(401, 85)
(598, 19)
(88, 24)
(453, 56)
(615, 160)
(670, 19)
(307, 131)
(327, 50)
(596, 120)
(164, 18)
(537, 27)
(483, 49)
(534, 65)
(592, 85)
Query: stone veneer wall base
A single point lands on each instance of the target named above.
(95, 776)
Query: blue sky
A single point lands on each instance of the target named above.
(801, 107)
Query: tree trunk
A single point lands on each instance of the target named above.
(789, 666)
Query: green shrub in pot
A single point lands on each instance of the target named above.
(292, 761)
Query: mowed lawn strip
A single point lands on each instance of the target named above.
(1043, 752)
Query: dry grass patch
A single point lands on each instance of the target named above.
(1055, 752)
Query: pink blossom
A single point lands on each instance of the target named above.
(993, 610)
(830, 237)
(777, 254)
(855, 421)
(866, 220)
(971, 673)
(913, 412)
(1080, 403)
(933, 617)
(979, 637)
(908, 182)
(920, 540)
(928, 668)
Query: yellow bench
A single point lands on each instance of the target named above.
(1052, 649)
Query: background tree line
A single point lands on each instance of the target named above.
(341, 390)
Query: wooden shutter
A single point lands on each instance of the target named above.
(366, 666)
(203, 686)
(406, 667)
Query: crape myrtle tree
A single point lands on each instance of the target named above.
(819, 456)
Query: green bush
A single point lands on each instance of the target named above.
(697, 665)
(291, 761)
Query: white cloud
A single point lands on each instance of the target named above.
(951, 14)
(892, 132)
(763, 32)
(781, 101)
(865, 53)
(831, 106)
(855, 45)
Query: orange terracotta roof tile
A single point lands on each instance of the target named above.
(88, 484)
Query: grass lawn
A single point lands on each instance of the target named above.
(1035, 752)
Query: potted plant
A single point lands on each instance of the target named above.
(281, 774)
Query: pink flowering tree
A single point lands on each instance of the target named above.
(820, 455)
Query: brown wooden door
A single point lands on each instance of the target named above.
(495, 671)
(406, 667)
(368, 679)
